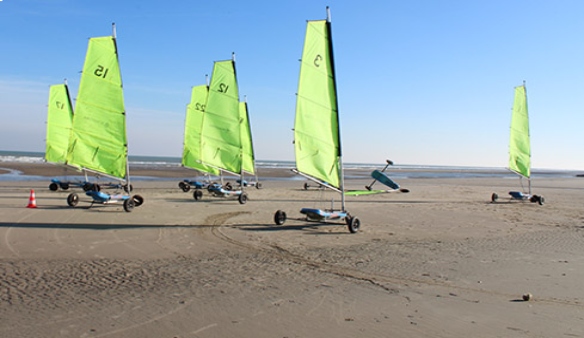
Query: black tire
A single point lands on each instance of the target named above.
(242, 198)
(129, 205)
(533, 199)
(184, 186)
(210, 186)
(305, 186)
(87, 186)
(65, 186)
(126, 188)
(279, 217)
(53, 186)
(138, 200)
(494, 197)
(353, 223)
(541, 200)
(228, 186)
(258, 185)
(197, 194)
(72, 199)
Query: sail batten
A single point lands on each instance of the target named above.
(519, 143)
(98, 140)
(316, 126)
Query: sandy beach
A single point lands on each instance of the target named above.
(440, 261)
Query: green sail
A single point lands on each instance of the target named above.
(316, 126)
(98, 136)
(59, 119)
(248, 158)
(519, 146)
(191, 157)
(221, 141)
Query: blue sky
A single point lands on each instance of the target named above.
(420, 81)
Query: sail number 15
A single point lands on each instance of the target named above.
(100, 71)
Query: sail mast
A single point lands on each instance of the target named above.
(114, 37)
(333, 73)
(528, 137)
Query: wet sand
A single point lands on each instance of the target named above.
(440, 261)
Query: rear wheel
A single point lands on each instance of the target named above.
(540, 200)
(128, 188)
(65, 186)
(279, 217)
(197, 194)
(353, 224)
(53, 186)
(72, 199)
(258, 185)
(494, 197)
(305, 186)
(138, 200)
(242, 198)
(129, 205)
(228, 186)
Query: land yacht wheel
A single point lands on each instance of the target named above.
(494, 197)
(279, 217)
(72, 199)
(242, 198)
(129, 205)
(197, 194)
(184, 186)
(53, 186)
(138, 200)
(354, 224)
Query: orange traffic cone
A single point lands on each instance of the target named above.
(31, 200)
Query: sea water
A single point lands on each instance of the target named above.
(351, 170)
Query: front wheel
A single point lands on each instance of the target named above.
(72, 199)
(242, 198)
(53, 186)
(279, 217)
(353, 224)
